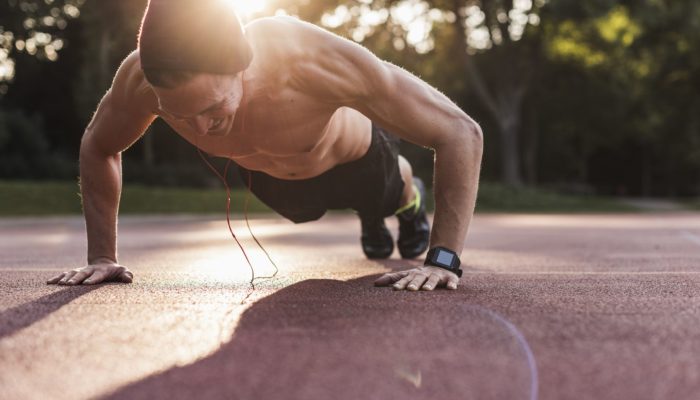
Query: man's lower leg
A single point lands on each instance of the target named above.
(408, 194)
(414, 228)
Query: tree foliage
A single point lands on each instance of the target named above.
(595, 95)
(33, 27)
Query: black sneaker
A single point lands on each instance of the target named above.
(376, 239)
(414, 228)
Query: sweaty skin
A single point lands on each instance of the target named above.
(304, 105)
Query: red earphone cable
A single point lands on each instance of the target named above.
(228, 203)
(245, 213)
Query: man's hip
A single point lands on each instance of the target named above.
(371, 185)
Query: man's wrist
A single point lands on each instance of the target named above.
(102, 260)
(445, 258)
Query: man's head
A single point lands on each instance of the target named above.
(193, 52)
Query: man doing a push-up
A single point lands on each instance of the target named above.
(312, 119)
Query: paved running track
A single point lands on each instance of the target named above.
(552, 307)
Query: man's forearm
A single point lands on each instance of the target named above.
(457, 168)
(100, 187)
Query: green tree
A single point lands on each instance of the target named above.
(33, 27)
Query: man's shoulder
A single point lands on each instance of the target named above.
(289, 48)
(130, 86)
(275, 21)
(286, 36)
(275, 28)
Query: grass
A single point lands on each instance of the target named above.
(495, 197)
(21, 198)
(692, 204)
(62, 198)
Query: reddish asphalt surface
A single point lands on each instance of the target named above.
(551, 307)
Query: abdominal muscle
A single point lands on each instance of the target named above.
(346, 138)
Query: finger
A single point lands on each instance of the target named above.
(96, 277)
(452, 282)
(417, 282)
(401, 284)
(66, 277)
(55, 279)
(432, 282)
(78, 278)
(126, 277)
(390, 278)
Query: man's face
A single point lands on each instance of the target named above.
(207, 102)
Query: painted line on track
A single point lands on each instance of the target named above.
(691, 237)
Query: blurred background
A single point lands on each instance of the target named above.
(583, 103)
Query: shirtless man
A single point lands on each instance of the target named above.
(307, 117)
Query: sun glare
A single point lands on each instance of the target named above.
(247, 8)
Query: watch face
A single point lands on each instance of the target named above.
(444, 257)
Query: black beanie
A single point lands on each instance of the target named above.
(193, 35)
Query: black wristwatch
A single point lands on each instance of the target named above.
(444, 258)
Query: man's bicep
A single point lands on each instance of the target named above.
(416, 111)
(346, 74)
(123, 114)
(114, 127)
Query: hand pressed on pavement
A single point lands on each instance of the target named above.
(93, 274)
(425, 278)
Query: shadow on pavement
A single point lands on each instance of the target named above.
(326, 339)
(19, 317)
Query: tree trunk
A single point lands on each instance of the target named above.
(510, 157)
(504, 102)
(530, 149)
(646, 171)
(103, 59)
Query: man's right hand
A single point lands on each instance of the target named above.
(94, 274)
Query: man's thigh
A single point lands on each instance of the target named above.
(371, 185)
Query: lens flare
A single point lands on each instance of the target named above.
(248, 8)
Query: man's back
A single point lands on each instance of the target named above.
(279, 129)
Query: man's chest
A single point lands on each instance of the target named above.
(283, 124)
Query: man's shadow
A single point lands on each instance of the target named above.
(326, 339)
(24, 315)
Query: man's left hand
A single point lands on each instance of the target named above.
(425, 278)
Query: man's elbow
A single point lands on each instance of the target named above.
(91, 150)
(475, 134)
(88, 147)
(469, 135)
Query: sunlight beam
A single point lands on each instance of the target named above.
(246, 9)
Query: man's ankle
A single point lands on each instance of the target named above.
(412, 204)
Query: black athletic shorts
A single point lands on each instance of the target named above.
(371, 185)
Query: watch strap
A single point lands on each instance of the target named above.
(445, 258)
